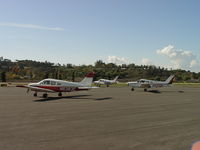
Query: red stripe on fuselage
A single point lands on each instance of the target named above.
(53, 88)
(61, 89)
(57, 89)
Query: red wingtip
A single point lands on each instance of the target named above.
(90, 75)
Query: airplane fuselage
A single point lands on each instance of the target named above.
(56, 86)
(59, 86)
(144, 83)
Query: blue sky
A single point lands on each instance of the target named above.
(120, 31)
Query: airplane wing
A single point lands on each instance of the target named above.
(35, 88)
(87, 88)
(159, 85)
(40, 89)
(145, 85)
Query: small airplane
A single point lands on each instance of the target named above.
(144, 83)
(59, 86)
(106, 82)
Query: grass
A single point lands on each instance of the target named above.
(192, 85)
(121, 84)
(12, 84)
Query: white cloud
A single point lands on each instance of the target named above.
(117, 60)
(146, 61)
(180, 59)
(31, 26)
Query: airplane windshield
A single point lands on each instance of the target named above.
(58, 83)
(48, 82)
(142, 81)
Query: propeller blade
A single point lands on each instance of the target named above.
(28, 90)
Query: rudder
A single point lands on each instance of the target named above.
(87, 81)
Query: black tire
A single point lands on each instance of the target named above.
(35, 94)
(132, 89)
(45, 95)
(145, 90)
(60, 94)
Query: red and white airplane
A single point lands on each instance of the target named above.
(59, 86)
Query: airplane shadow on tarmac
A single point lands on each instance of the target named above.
(159, 92)
(104, 98)
(154, 91)
(70, 97)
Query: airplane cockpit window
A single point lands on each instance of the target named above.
(53, 83)
(46, 82)
(58, 83)
(142, 81)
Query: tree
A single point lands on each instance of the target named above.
(73, 76)
(3, 76)
(46, 75)
(99, 64)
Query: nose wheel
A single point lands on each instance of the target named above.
(35, 94)
(132, 89)
(45, 95)
(60, 94)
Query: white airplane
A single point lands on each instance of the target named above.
(59, 86)
(106, 82)
(143, 83)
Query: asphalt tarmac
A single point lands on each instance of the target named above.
(112, 118)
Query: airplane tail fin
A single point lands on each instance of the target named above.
(115, 79)
(170, 79)
(87, 81)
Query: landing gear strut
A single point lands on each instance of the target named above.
(35, 94)
(45, 95)
(59, 94)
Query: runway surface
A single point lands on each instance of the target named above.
(100, 119)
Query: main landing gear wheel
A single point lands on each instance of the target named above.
(132, 89)
(145, 90)
(35, 94)
(45, 95)
(60, 94)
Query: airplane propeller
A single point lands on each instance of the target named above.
(28, 90)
